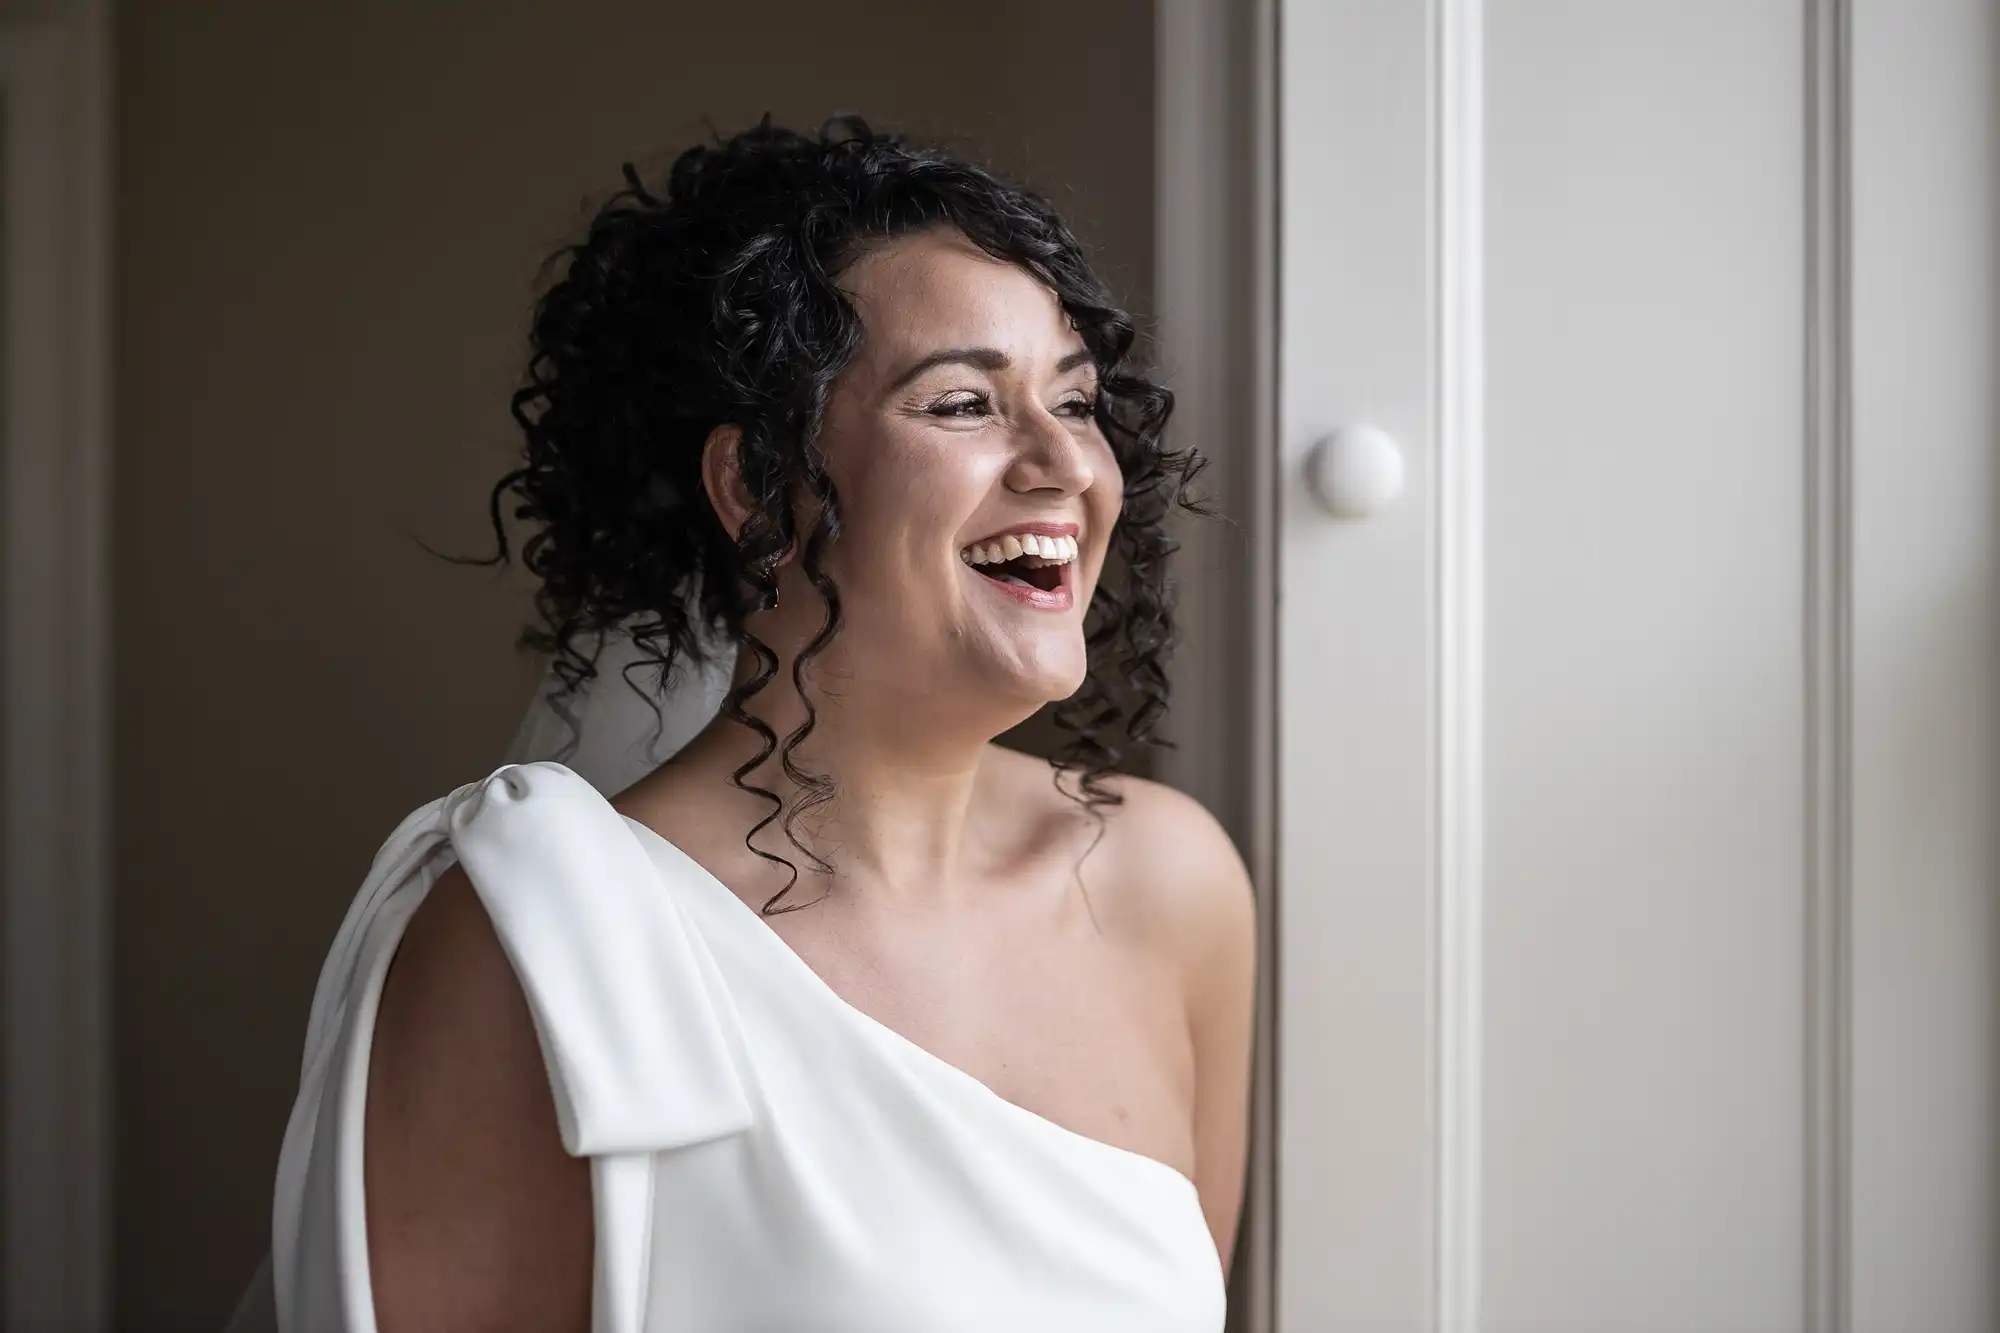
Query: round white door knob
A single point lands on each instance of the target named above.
(1356, 472)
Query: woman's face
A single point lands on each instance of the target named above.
(977, 492)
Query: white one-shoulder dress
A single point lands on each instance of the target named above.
(764, 1155)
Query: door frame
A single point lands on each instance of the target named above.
(1215, 293)
(55, 674)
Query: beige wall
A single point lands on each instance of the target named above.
(329, 217)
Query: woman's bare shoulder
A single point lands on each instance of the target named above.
(1175, 860)
(1164, 862)
(476, 1216)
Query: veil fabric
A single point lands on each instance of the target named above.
(618, 740)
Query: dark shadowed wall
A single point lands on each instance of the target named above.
(329, 220)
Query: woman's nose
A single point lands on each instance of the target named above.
(1049, 456)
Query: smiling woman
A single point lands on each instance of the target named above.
(725, 324)
(844, 1017)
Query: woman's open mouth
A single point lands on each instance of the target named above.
(1033, 567)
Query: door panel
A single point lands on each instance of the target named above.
(1644, 692)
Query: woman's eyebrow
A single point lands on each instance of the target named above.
(980, 358)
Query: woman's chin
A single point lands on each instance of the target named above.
(1020, 674)
(1042, 683)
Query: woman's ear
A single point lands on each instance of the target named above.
(722, 478)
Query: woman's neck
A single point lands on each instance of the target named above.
(902, 777)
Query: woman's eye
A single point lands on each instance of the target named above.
(1081, 408)
(970, 405)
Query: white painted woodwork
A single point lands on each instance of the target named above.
(1638, 773)
(1926, 852)
(1357, 1129)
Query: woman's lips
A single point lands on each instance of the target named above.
(1060, 598)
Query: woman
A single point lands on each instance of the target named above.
(844, 1018)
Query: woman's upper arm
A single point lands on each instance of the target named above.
(1197, 892)
(1222, 984)
(477, 1217)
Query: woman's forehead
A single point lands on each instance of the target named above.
(936, 289)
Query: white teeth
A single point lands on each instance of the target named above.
(1014, 546)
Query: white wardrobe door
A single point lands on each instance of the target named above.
(1639, 769)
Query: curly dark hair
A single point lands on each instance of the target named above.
(712, 301)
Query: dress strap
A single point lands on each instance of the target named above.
(630, 1009)
(634, 1020)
